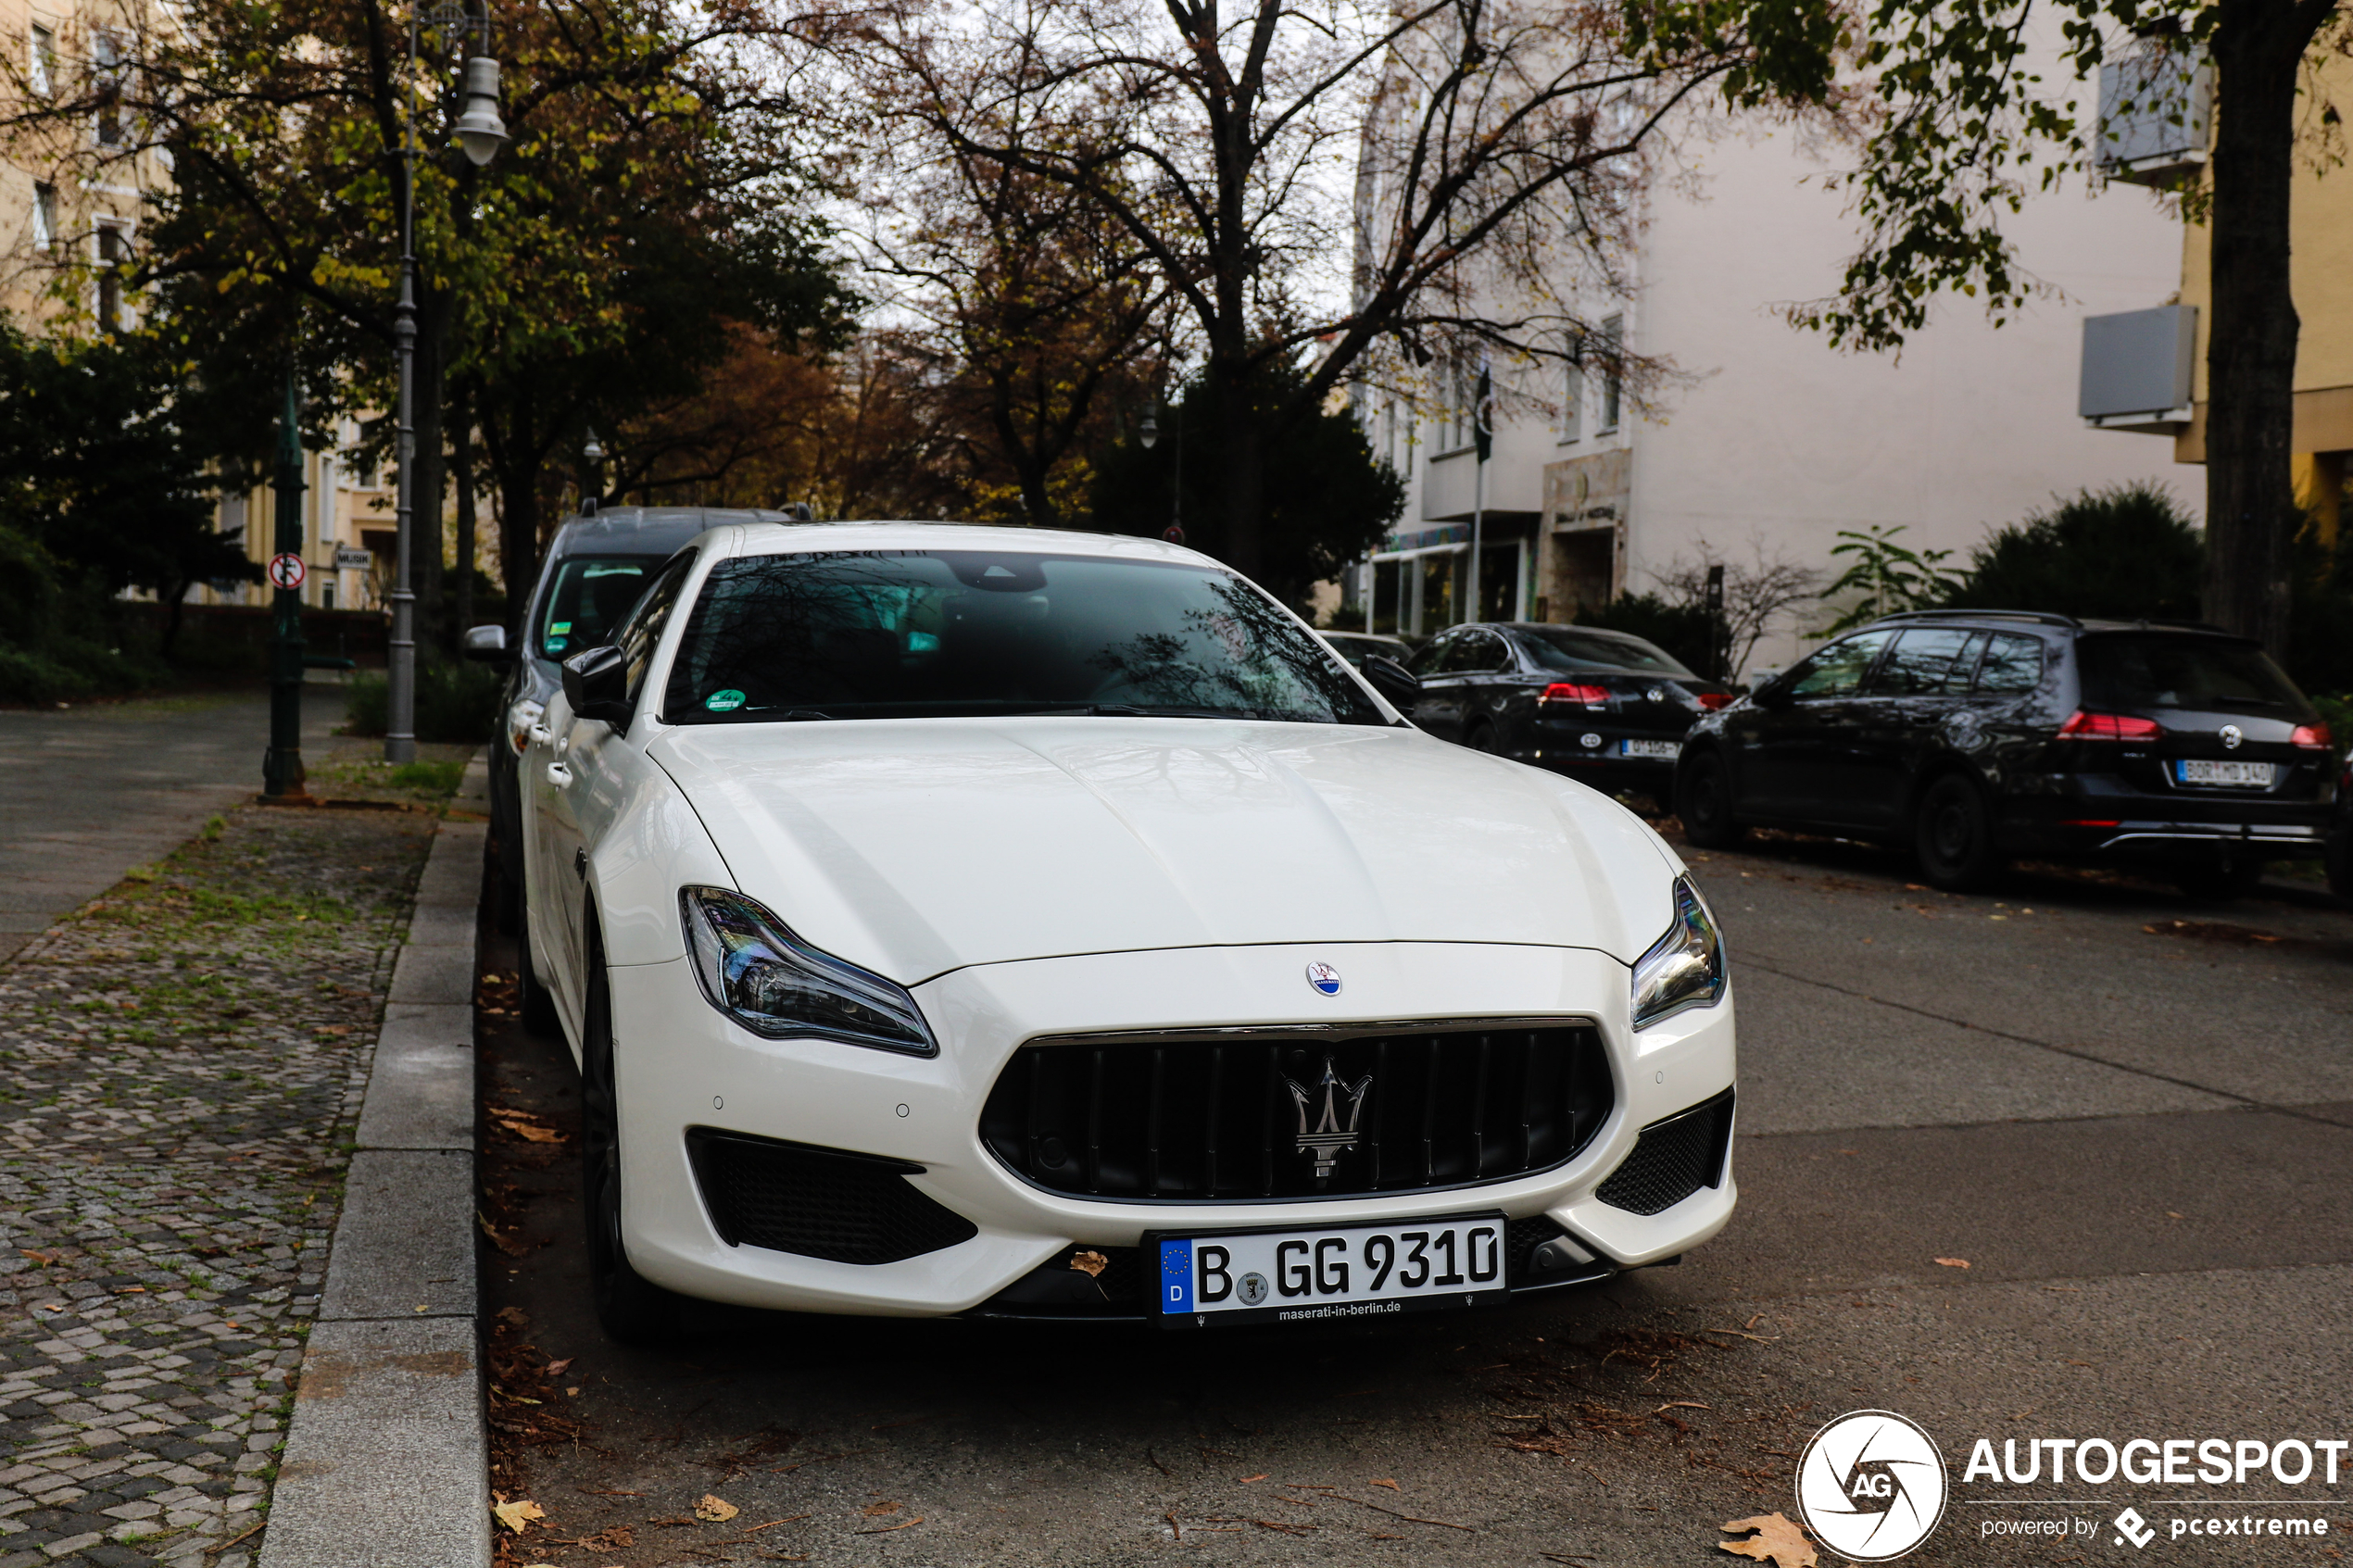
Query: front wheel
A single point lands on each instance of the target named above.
(1483, 738)
(1704, 800)
(1952, 836)
(633, 1309)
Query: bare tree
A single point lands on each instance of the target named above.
(1756, 593)
(1495, 133)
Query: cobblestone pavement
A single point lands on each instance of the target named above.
(182, 1063)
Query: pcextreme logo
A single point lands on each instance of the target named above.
(1871, 1485)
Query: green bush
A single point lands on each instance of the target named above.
(2127, 553)
(458, 703)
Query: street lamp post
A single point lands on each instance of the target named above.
(1150, 435)
(480, 132)
(592, 475)
(281, 770)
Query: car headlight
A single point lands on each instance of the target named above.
(1685, 968)
(772, 983)
(520, 715)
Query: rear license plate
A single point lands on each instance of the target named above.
(2243, 775)
(1307, 1276)
(1664, 750)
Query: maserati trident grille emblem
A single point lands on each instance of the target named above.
(1341, 1107)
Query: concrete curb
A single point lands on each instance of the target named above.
(387, 1459)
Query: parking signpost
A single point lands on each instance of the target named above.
(282, 772)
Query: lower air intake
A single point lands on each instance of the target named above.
(1673, 1160)
(817, 1202)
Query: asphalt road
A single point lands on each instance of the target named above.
(2139, 1141)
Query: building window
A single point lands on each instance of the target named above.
(326, 594)
(105, 62)
(42, 67)
(44, 217)
(1613, 374)
(112, 252)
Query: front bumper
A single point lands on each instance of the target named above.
(681, 1065)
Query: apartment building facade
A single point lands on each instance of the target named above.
(1759, 439)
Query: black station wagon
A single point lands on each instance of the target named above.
(1974, 736)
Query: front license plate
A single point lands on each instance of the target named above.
(1664, 750)
(2243, 775)
(1230, 1277)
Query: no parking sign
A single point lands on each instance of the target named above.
(286, 571)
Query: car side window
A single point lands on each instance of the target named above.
(2012, 663)
(1964, 670)
(1920, 661)
(1435, 656)
(1838, 670)
(1484, 652)
(640, 630)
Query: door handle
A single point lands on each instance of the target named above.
(559, 775)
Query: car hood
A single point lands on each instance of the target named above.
(917, 847)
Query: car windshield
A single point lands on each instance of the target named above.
(910, 633)
(1565, 648)
(587, 600)
(2201, 674)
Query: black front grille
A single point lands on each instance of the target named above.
(1672, 1160)
(1189, 1119)
(817, 1202)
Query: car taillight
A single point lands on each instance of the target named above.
(2311, 737)
(1566, 691)
(1714, 699)
(2108, 726)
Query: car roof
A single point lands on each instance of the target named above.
(647, 530)
(2032, 617)
(761, 537)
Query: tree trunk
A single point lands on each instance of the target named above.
(461, 448)
(514, 464)
(1240, 533)
(432, 333)
(2250, 361)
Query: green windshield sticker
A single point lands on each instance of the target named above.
(724, 702)
(558, 628)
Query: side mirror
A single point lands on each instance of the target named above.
(1771, 693)
(1393, 681)
(597, 684)
(487, 645)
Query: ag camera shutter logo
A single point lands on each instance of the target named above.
(1871, 1485)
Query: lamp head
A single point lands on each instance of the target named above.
(480, 129)
(1149, 433)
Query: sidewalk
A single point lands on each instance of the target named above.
(181, 1065)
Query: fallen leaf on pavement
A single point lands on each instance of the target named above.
(556, 1367)
(1954, 1263)
(519, 1514)
(1248, 1479)
(1390, 1484)
(715, 1508)
(1776, 1538)
(886, 1529)
(617, 1538)
(514, 1315)
(877, 1509)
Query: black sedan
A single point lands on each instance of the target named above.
(1606, 707)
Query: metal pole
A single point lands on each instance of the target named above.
(400, 674)
(1479, 529)
(282, 771)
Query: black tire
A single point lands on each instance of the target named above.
(632, 1309)
(506, 895)
(2221, 877)
(2339, 858)
(1703, 801)
(1952, 836)
(537, 1003)
(1481, 736)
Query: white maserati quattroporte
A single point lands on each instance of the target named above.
(955, 920)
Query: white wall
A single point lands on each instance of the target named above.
(1787, 440)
